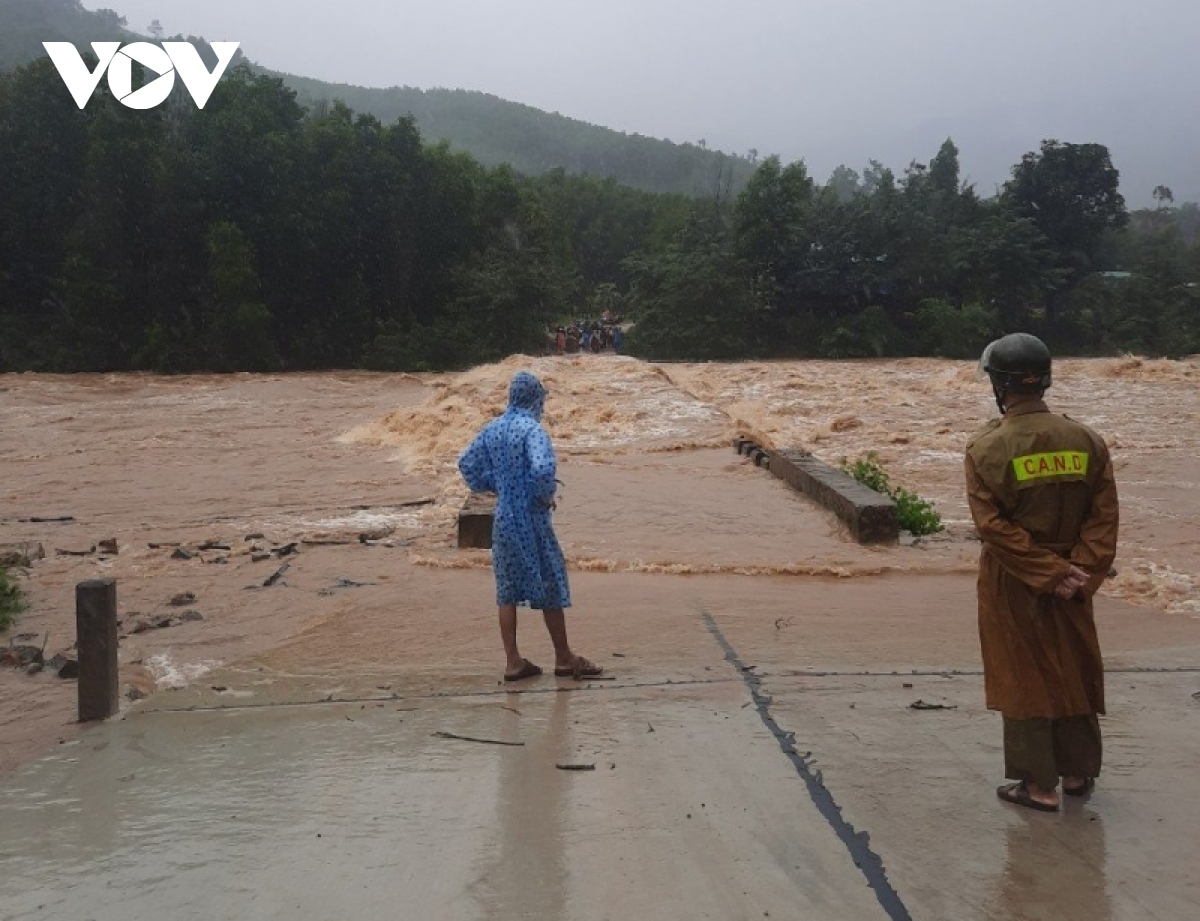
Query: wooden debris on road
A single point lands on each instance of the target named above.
(451, 735)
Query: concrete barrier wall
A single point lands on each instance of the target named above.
(870, 516)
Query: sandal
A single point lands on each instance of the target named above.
(1018, 795)
(580, 668)
(528, 670)
(1088, 785)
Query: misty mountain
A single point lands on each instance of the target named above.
(490, 129)
(25, 24)
(496, 131)
(1152, 138)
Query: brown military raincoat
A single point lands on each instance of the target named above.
(1041, 491)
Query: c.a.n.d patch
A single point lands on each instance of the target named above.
(1073, 464)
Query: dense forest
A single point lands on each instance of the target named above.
(877, 265)
(493, 131)
(252, 235)
(259, 234)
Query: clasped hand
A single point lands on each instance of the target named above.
(1071, 583)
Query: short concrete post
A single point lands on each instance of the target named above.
(476, 520)
(96, 641)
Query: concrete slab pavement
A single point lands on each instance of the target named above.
(298, 786)
(359, 810)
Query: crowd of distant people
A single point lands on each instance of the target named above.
(585, 335)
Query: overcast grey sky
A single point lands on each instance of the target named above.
(829, 81)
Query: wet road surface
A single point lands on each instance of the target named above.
(361, 811)
(734, 781)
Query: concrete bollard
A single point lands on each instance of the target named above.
(475, 522)
(96, 641)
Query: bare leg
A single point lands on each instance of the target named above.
(556, 623)
(508, 635)
(1078, 786)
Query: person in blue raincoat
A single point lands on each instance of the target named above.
(513, 458)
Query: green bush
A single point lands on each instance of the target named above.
(11, 600)
(868, 471)
(914, 514)
(948, 331)
(869, 334)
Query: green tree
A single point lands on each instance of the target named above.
(771, 229)
(877, 178)
(695, 301)
(1004, 262)
(943, 170)
(1070, 193)
(845, 183)
(107, 279)
(44, 150)
(607, 297)
(237, 324)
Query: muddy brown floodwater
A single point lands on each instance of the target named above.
(734, 616)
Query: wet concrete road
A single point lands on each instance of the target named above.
(733, 783)
(358, 810)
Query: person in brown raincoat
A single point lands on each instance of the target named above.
(1041, 491)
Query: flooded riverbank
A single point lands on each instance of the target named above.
(651, 487)
(293, 747)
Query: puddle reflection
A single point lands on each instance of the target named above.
(1055, 869)
(528, 876)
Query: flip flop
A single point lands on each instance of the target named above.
(528, 670)
(1018, 795)
(1088, 785)
(581, 668)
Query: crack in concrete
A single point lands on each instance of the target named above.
(974, 672)
(746, 674)
(857, 843)
(438, 695)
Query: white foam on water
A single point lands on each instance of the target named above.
(366, 520)
(171, 674)
(1145, 581)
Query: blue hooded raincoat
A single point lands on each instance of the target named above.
(513, 458)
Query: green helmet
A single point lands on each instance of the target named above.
(1019, 362)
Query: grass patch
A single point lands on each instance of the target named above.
(914, 514)
(12, 602)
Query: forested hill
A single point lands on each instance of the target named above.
(25, 24)
(496, 131)
(490, 129)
